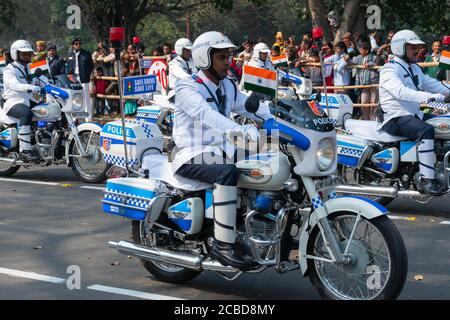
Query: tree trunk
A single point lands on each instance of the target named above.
(319, 17)
(351, 10)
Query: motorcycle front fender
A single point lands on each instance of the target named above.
(87, 126)
(369, 209)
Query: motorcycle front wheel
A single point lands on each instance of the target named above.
(92, 168)
(379, 260)
(161, 271)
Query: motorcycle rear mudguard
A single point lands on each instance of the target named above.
(367, 208)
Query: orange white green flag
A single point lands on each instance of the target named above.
(280, 61)
(43, 65)
(444, 62)
(260, 80)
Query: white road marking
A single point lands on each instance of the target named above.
(92, 188)
(31, 182)
(131, 293)
(445, 222)
(31, 275)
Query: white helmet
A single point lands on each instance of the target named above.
(260, 48)
(201, 51)
(181, 44)
(400, 39)
(22, 46)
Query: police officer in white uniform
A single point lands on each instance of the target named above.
(403, 87)
(260, 58)
(181, 66)
(202, 133)
(19, 88)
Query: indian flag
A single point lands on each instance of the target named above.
(444, 62)
(260, 80)
(2, 61)
(280, 61)
(43, 65)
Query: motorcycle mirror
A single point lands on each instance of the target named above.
(252, 104)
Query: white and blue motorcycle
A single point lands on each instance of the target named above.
(347, 246)
(56, 135)
(376, 164)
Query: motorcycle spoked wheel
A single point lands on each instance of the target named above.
(161, 271)
(91, 169)
(381, 265)
(348, 174)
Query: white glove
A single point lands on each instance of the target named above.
(248, 132)
(437, 97)
(35, 89)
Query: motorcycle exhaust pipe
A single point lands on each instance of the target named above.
(12, 161)
(378, 191)
(181, 259)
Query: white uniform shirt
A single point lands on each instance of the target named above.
(179, 69)
(199, 127)
(398, 94)
(15, 89)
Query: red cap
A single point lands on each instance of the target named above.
(317, 33)
(446, 40)
(136, 40)
(116, 34)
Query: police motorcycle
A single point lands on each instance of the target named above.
(376, 164)
(347, 246)
(56, 135)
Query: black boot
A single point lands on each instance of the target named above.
(431, 187)
(29, 156)
(228, 255)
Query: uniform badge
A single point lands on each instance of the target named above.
(106, 144)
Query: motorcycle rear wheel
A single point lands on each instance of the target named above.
(163, 272)
(370, 278)
(8, 172)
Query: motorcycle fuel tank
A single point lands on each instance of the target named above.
(267, 171)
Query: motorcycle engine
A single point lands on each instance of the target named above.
(439, 174)
(441, 147)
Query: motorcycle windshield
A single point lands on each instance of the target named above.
(306, 114)
(68, 82)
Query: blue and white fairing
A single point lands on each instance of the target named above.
(304, 125)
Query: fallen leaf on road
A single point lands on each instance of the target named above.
(67, 185)
(37, 247)
(418, 277)
(115, 264)
(411, 218)
(130, 257)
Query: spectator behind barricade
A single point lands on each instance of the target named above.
(384, 54)
(56, 63)
(99, 55)
(328, 51)
(168, 51)
(112, 106)
(435, 56)
(130, 107)
(339, 61)
(131, 59)
(307, 36)
(100, 87)
(246, 55)
(313, 72)
(40, 53)
(375, 41)
(303, 50)
(279, 41)
(350, 44)
(366, 76)
(422, 54)
(275, 51)
(80, 64)
(291, 55)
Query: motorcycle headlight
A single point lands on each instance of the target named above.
(77, 102)
(325, 154)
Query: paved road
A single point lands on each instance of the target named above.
(45, 228)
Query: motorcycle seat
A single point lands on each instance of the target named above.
(370, 130)
(160, 168)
